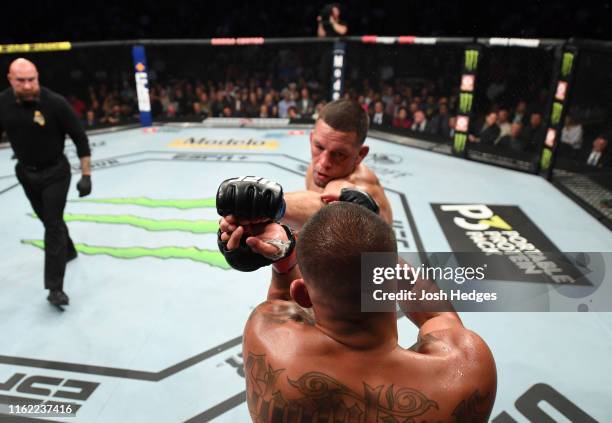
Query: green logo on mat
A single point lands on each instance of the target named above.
(465, 102)
(211, 257)
(471, 60)
(555, 117)
(567, 63)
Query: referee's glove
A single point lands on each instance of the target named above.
(84, 185)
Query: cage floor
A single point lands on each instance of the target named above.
(153, 332)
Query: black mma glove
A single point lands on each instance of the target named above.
(246, 260)
(358, 196)
(84, 185)
(251, 197)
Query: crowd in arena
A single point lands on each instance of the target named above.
(421, 110)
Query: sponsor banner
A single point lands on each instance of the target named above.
(142, 85)
(513, 245)
(224, 144)
(338, 70)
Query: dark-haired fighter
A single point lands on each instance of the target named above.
(337, 152)
(311, 354)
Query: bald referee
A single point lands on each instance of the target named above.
(36, 121)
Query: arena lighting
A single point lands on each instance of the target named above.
(35, 47)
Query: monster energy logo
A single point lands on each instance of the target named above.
(459, 144)
(545, 159)
(210, 257)
(153, 203)
(465, 102)
(566, 66)
(555, 117)
(471, 60)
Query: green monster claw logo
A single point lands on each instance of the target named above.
(471, 60)
(465, 102)
(148, 202)
(211, 257)
(545, 159)
(567, 63)
(556, 113)
(153, 225)
(459, 144)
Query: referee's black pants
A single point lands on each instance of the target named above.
(47, 190)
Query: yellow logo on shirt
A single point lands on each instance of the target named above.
(39, 118)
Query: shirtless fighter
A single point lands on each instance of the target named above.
(337, 152)
(311, 354)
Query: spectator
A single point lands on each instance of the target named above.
(227, 111)
(599, 156)
(305, 105)
(263, 111)
(402, 120)
(519, 112)
(533, 134)
(251, 108)
(439, 124)
(219, 104)
(503, 117)
(292, 113)
(90, 119)
(78, 106)
(420, 123)
(489, 131)
(285, 103)
(380, 119)
(196, 112)
(513, 141)
(571, 137)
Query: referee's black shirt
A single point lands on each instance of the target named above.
(37, 129)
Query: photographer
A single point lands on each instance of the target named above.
(329, 23)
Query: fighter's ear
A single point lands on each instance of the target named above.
(299, 293)
(363, 152)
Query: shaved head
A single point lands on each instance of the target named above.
(23, 77)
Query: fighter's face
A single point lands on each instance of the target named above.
(24, 80)
(335, 154)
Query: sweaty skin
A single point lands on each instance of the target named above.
(302, 363)
(306, 362)
(336, 163)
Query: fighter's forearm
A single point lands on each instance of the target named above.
(281, 282)
(300, 206)
(86, 165)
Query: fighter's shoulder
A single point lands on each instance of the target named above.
(460, 346)
(363, 175)
(280, 312)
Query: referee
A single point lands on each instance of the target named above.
(36, 121)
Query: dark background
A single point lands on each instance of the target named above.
(89, 20)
